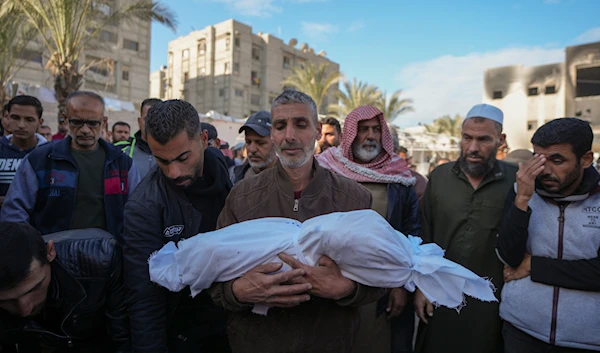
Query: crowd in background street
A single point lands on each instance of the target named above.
(83, 209)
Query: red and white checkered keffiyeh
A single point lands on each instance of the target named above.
(388, 167)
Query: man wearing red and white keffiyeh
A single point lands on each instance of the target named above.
(367, 156)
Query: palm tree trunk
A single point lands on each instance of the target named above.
(67, 81)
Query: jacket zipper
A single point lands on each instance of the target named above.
(296, 203)
(561, 230)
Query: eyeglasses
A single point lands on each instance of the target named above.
(92, 124)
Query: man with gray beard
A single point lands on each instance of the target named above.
(463, 208)
(367, 156)
(259, 147)
(313, 308)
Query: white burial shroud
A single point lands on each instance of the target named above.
(363, 244)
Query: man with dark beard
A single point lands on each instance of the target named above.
(259, 146)
(550, 242)
(462, 212)
(177, 200)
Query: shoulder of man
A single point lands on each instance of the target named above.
(149, 189)
(255, 185)
(508, 168)
(344, 187)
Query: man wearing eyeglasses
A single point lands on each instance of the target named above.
(78, 182)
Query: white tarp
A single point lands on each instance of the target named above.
(365, 247)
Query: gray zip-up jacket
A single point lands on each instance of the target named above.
(560, 302)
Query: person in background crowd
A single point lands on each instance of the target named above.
(25, 118)
(63, 129)
(238, 157)
(518, 156)
(177, 200)
(46, 131)
(259, 146)
(78, 182)
(63, 296)
(137, 148)
(437, 163)
(215, 142)
(105, 134)
(367, 156)
(331, 135)
(502, 151)
(462, 213)
(550, 240)
(4, 121)
(120, 131)
(313, 309)
(421, 181)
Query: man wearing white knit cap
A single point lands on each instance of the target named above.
(462, 211)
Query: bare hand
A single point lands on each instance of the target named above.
(396, 302)
(326, 278)
(526, 176)
(260, 286)
(422, 306)
(524, 269)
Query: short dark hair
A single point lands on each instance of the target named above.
(89, 94)
(575, 132)
(20, 244)
(402, 149)
(333, 122)
(149, 102)
(167, 119)
(5, 108)
(122, 123)
(26, 101)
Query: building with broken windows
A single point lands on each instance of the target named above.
(531, 96)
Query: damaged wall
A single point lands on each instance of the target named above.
(582, 57)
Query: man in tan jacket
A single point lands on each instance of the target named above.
(314, 308)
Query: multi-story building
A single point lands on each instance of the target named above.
(229, 69)
(532, 96)
(122, 78)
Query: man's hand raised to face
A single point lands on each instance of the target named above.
(326, 278)
(260, 285)
(526, 176)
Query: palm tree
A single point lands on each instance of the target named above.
(356, 94)
(393, 105)
(66, 27)
(15, 35)
(446, 125)
(313, 80)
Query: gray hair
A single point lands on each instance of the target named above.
(88, 94)
(292, 96)
(167, 119)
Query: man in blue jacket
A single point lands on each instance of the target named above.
(78, 182)
(25, 117)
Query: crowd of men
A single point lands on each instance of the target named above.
(81, 216)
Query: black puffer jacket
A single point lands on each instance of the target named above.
(86, 304)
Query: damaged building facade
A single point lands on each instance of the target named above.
(532, 96)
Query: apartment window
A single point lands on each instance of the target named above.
(550, 89)
(108, 36)
(201, 48)
(236, 41)
(131, 45)
(185, 54)
(497, 95)
(125, 75)
(201, 71)
(255, 99)
(239, 92)
(227, 43)
(223, 93)
(236, 68)
(532, 125)
(254, 79)
(170, 59)
(226, 68)
(287, 62)
(532, 91)
(588, 82)
(186, 76)
(30, 55)
(255, 53)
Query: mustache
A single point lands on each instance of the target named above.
(291, 145)
(548, 178)
(369, 144)
(181, 179)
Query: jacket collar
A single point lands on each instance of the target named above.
(314, 186)
(62, 150)
(65, 291)
(143, 145)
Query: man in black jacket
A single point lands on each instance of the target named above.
(63, 296)
(181, 198)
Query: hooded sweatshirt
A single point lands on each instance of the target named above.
(10, 159)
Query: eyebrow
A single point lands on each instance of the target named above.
(165, 161)
(21, 116)
(29, 291)
(556, 155)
